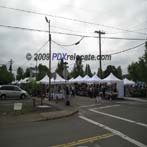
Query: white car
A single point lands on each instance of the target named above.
(9, 91)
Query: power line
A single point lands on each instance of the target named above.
(37, 51)
(71, 19)
(127, 49)
(42, 47)
(70, 34)
(76, 43)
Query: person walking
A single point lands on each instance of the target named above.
(67, 93)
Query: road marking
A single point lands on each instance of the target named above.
(109, 106)
(121, 118)
(120, 134)
(84, 106)
(136, 99)
(86, 140)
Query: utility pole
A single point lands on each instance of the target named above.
(36, 68)
(48, 21)
(11, 63)
(100, 62)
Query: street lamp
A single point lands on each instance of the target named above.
(100, 32)
(48, 21)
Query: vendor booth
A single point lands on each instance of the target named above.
(111, 79)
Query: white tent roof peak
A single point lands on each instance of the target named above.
(111, 77)
(45, 79)
(86, 77)
(78, 78)
(59, 78)
(95, 77)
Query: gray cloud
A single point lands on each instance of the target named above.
(127, 14)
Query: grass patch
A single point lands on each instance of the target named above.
(9, 109)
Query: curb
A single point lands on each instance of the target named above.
(56, 115)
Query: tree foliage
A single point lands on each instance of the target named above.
(112, 69)
(42, 71)
(138, 70)
(78, 68)
(6, 77)
(60, 68)
(20, 73)
(88, 70)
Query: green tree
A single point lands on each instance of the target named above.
(20, 73)
(88, 70)
(138, 70)
(60, 68)
(119, 72)
(112, 69)
(78, 68)
(98, 73)
(27, 73)
(42, 71)
(6, 77)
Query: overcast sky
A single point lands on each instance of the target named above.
(125, 14)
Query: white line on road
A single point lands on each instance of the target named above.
(109, 106)
(117, 117)
(84, 106)
(120, 134)
(136, 99)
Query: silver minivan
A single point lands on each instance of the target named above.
(12, 91)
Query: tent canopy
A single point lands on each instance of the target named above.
(111, 78)
(128, 82)
(59, 79)
(78, 79)
(86, 79)
(44, 80)
(94, 79)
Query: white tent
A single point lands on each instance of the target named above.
(26, 80)
(15, 82)
(44, 80)
(128, 82)
(111, 78)
(94, 79)
(58, 80)
(86, 79)
(71, 80)
(120, 84)
(78, 79)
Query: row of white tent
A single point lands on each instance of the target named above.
(86, 79)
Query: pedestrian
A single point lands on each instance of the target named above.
(98, 98)
(67, 93)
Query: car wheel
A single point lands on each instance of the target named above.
(3, 97)
(23, 96)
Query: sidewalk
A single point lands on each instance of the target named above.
(63, 111)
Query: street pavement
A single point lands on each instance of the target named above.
(118, 123)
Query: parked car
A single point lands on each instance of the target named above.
(12, 91)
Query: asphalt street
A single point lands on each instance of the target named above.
(111, 124)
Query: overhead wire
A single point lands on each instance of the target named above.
(37, 51)
(76, 43)
(71, 19)
(122, 51)
(70, 34)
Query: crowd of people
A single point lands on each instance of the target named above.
(105, 91)
(135, 90)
